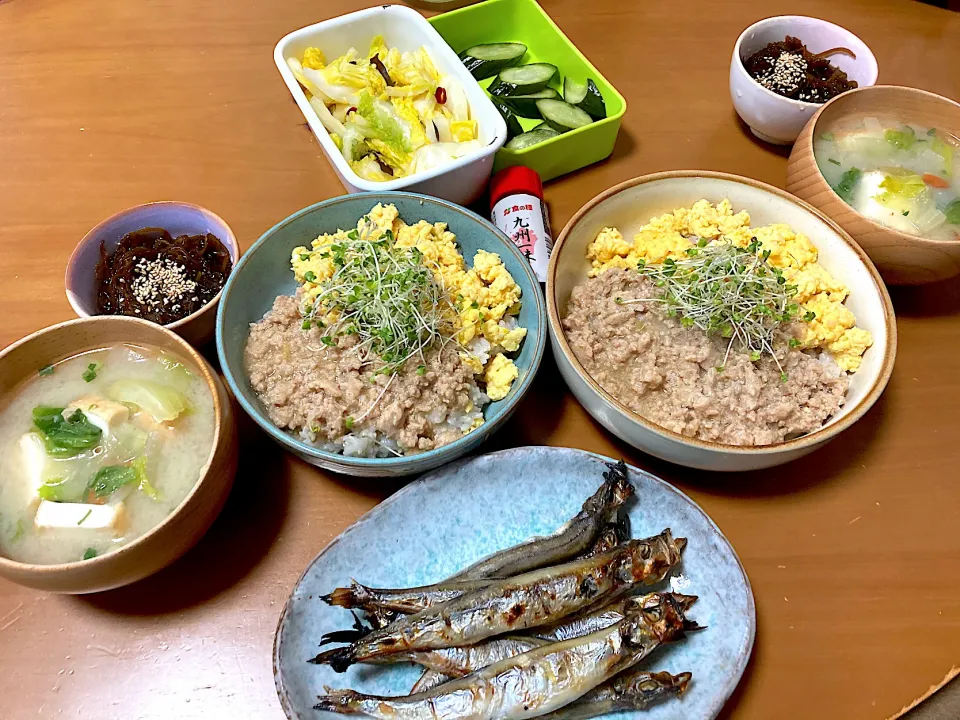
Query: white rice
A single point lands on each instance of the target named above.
(370, 443)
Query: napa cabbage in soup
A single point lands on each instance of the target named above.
(97, 450)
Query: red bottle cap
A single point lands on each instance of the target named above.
(517, 179)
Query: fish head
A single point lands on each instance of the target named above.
(637, 690)
(648, 561)
(656, 618)
(614, 492)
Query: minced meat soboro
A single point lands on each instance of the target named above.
(668, 374)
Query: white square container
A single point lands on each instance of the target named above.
(461, 180)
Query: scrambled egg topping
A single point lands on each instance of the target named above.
(486, 297)
(669, 236)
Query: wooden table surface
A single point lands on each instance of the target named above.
(853, 552)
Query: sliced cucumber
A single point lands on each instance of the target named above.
(531, 137)
(585, 96)
(593, 103)
(573, 91)
(487, 60)
(513, 125)
(523, 80)
(563, 116)
(525, 106)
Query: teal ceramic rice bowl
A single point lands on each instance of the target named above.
(264, 273)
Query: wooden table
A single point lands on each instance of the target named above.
(853, 552)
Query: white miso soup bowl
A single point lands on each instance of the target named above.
(629, 206)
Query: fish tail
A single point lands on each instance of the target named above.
(618, 478)
(622, 526)
(680, 683)
(347, 636)
(339, 659)
(345, 702)
(355, 596)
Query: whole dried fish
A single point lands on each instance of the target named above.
(411, 600)
(632, 690)
(540, 597)
(459, 661)
(570, 540)
(401, 600)
(535, 682)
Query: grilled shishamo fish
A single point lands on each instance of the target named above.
(412, 600)
(536, 598)
(459, 661)
(632, 690)
(535, 682)
(569, 541)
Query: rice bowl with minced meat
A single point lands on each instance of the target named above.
(391, 344)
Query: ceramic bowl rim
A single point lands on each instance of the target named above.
(219, 417)
(875, 226)
(230, 242)
(810, 440)
(506, 454)
(737, 59)
(517, 391)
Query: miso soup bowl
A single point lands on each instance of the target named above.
(180, 530)
(629, 206)
(901, 258)
(177, 218)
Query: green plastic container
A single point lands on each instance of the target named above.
(525, 21)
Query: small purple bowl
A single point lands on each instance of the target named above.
(177, 218)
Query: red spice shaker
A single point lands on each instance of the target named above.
(518, 209)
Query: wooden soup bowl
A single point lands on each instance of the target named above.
(180, 530)
(902, 259)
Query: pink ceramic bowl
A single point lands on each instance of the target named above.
(177, 218)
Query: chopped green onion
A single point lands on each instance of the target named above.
(809, 316)
(304, 256)
(81, 520)
(421, 370)
(348, 422)
(310, 276)
(90, 374)
(45, 371)
(90, 554)
(833, 160)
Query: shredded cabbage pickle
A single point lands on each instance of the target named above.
(382, 111)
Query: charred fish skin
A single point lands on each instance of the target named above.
(536, 682)
(569, 541)
(537, 598)
(632, 690)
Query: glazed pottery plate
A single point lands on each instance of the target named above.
(456, 515)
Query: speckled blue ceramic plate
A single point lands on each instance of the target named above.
(464, 511)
